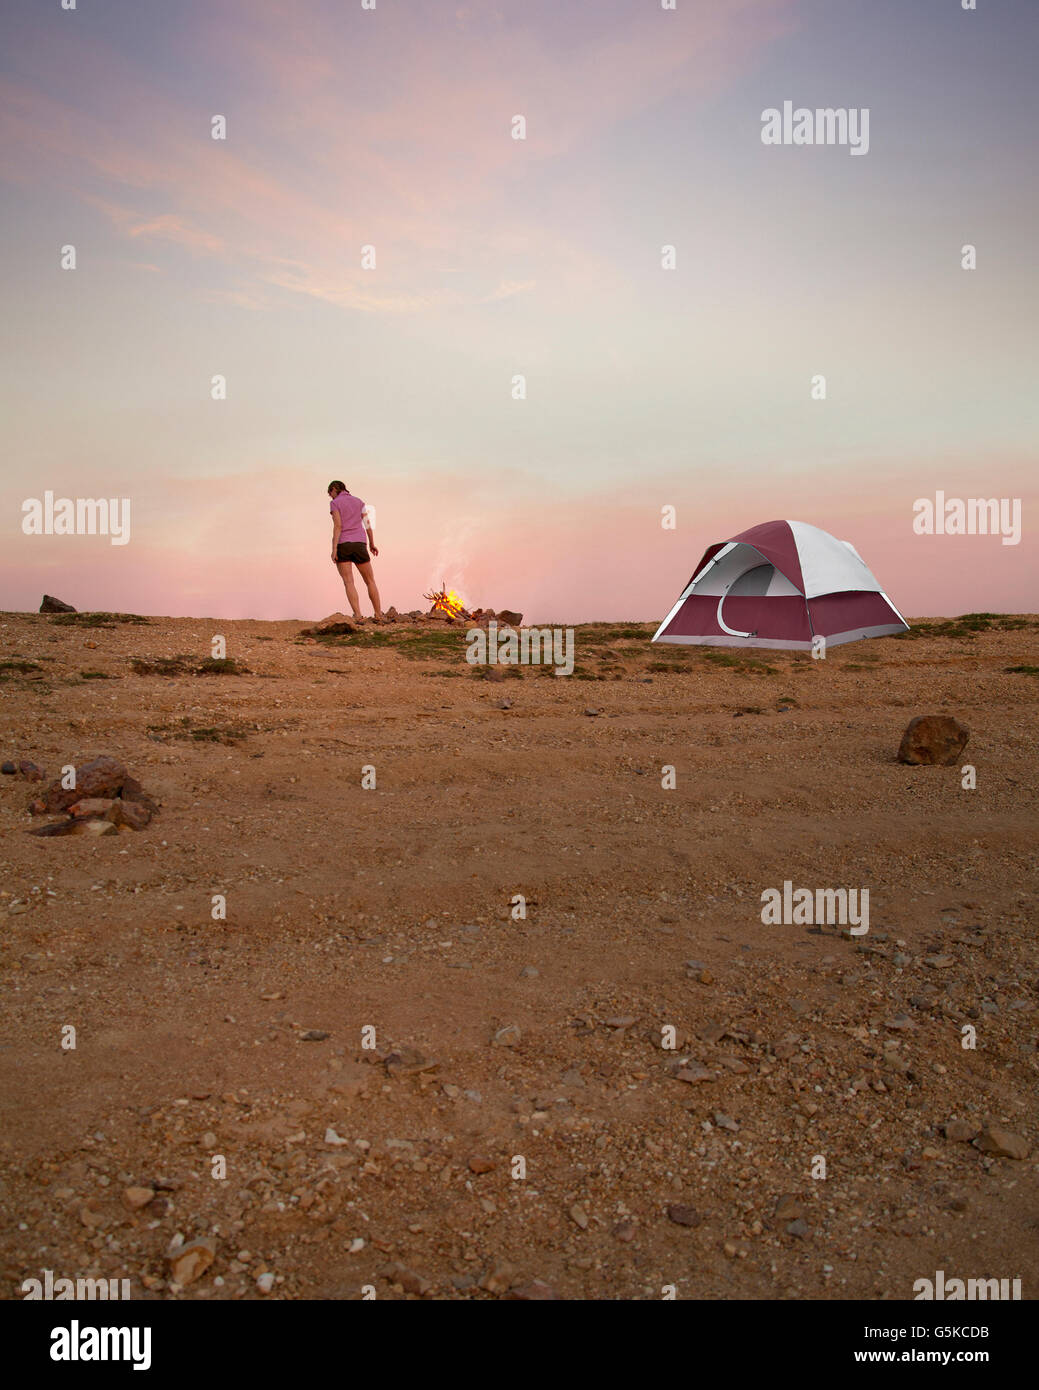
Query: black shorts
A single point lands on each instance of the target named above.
(356, 551)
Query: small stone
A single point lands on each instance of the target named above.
(592, 713)
(960, 1131)
(409, 1281)
(725, 1122)
(579, 1216)
(314, 1035)
(499, 1278)
(508, 1036)
(8, 769)
(265, 1282)
(134, 1198)
(536, 1291)
(788, 1208)
(705, 977)
(480, 1164)
(529, 972)
(624, 1230)
(694, 1073)
(621, 1023)
(899, 1022)
(939, 962)
(798, 1228)
(1001, 1143)
(189, 1262)
(683, 1215)
(331, 1137)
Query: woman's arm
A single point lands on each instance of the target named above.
(336, 524)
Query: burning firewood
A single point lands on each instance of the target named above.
(445, 601)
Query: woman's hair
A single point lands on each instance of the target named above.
(339, 487)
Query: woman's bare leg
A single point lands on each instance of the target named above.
(346, 571)
(368, 575)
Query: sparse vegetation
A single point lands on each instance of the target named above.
(96, 619)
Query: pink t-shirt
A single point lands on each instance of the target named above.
(350, 509)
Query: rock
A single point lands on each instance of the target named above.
(509, 619)
(693, 1074)
(788, 1208)
(537, 1290)
(314, 1035)
(341, 629)
(91, 806)
(75, 827)
(500, 1277)
(134, 1198)
(624, 1230)
(331, 1137)
(578, 1216)
(1001, 1143)
(939, 962)
(683, 1215)
(135, 815)
(51, 604)
(101, 777)
(621, 1023)
(593, 713)
(8, 769)
(265, 1282)
(481, 1164)
(933, 739)
(189, 1262)
(409, 1281)
(725, 1122)
(960, 1131)
(30, 771)
(529, 972)
(798, 1228)
(508, 1036)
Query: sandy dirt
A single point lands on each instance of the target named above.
(499, 1038)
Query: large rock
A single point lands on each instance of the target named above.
(507, 618)
(1001, 1143)
(51, 604)
(933, 739)
(101, 777)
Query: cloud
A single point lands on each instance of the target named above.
(385, 127)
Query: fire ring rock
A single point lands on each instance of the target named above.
(936, 740)
(51, 604)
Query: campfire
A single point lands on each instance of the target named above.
(447, 601)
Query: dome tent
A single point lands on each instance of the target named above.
(780, 584)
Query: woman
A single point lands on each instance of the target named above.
(349, 527)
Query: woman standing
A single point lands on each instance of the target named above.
(350, 529)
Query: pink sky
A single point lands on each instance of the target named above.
(496, 257)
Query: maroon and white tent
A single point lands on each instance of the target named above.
(780, 584)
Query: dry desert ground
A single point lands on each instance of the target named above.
(415, 1088)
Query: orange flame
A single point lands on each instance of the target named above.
(448, 601)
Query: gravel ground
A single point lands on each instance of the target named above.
(416, 1090)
